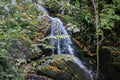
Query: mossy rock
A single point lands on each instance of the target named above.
(61, 67)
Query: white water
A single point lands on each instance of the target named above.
(40, 1)
(63, 45)
(14, 2)
(41, 8)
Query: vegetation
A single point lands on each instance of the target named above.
(17, 30)
(92, 24)
(7, 71)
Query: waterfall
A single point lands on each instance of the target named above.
(14, 2)
(40, 7)
(63, 44)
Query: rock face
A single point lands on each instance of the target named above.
(60, 67)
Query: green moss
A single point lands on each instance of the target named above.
(61, 67)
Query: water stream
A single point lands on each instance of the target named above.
(14, 2)
(63, 44)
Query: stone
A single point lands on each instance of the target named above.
(61, 67)
(32, 77)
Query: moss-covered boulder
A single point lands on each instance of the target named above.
(60, 67)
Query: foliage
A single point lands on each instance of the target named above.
(81, 14)
(108, 18)
(7, 71)
(20, 19)
(18, 24)
(60, 6)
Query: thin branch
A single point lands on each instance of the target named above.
(97, 35)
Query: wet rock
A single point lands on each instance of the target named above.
(61, 67)
(43, 78)
(32, 77)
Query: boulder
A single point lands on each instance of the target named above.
(61, 67)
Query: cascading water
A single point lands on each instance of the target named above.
(60, 43)
(14, 2)
(63, 45)
(40, 7)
